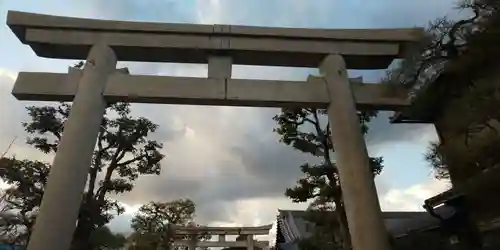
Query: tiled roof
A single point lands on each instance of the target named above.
(293, 225)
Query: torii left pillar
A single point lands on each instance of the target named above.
(56, 221)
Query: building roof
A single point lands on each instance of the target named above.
(293, 224)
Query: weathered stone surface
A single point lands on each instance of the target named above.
(221, 232)
(359, 193)
(55, 222)
(71, 38)
(20, 19)
(212, 91)
(260, 230)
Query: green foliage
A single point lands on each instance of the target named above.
(436, 159)
(303, 130)
(154, 224)
(326, 233)
(240, 238)
(308, 131)
(103, 239)
(122, 154)
(451, 54)
(455, 66)
(27, 180)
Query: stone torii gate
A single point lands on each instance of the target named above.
(221, 232)
(102, 43)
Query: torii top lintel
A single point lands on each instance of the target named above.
(71, 38)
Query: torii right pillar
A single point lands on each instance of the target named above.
(362, 207)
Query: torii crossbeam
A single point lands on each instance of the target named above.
(103, 43)
(221, 232)
(121, 87)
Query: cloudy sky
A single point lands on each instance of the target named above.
(227, 159)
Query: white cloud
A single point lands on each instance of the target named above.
(131, 209)
(189, 133)
(241, 213)
(263, 211)
(412, 198)
(13, 113)
(9, 74)
(3, 185)
(209, 11)
(202, 155)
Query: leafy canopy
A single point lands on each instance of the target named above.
(452, 75)
(154, 224)
(123, 152)
(308, 131)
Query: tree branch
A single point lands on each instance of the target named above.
(455, 28)
(57, 135)
(311, 121)
(131, 160)
(323, 138)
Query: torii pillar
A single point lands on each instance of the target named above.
(362, 207)
(55, 224)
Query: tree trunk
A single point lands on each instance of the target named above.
(343, 226)
(340, 213)
(339, 207)
(81, 238)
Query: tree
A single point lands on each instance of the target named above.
(435, 157)
(8, 148)
(454, 78)
(445, 40)
(306, 130)
(123, 153)
(154, 224)
(27, 180)
(103, 239)
(451, 65)
(325, 222)
(240, 238)
(3, 200)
